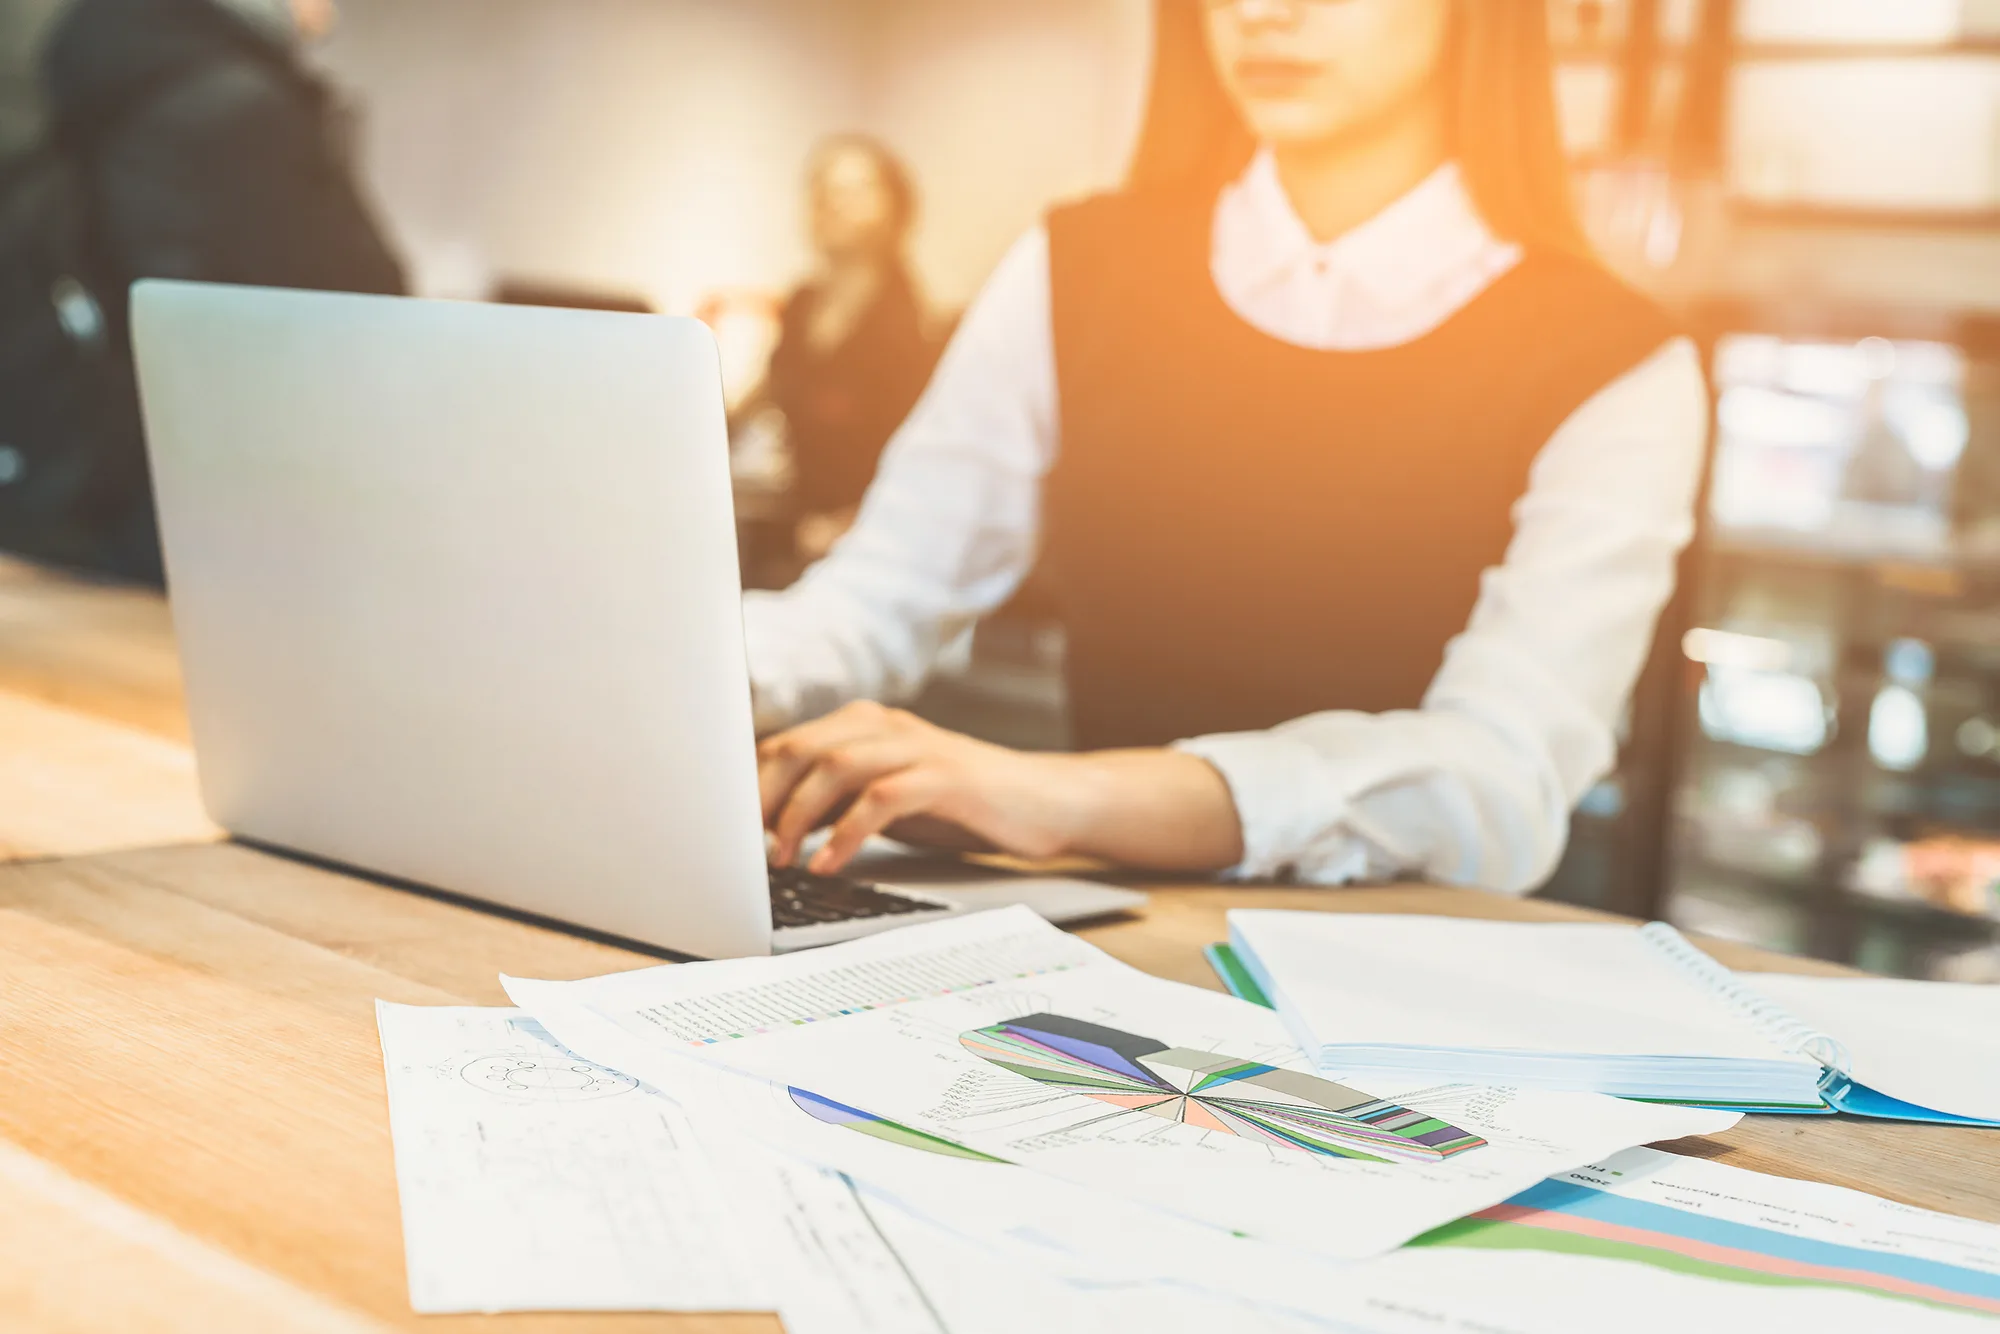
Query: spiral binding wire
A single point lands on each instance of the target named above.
(1790, 1033)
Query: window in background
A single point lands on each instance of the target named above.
(1911, 22)
(1908, 133)
(1847, 445)
(1841, 789)
(1833, 715)
(1867, 105)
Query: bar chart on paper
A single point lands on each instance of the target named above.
(1678, 1218)
(1214, 1092)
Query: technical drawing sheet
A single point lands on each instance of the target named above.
(532, 1180)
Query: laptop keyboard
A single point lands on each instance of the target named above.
(800, 898)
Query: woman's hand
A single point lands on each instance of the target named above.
(869, 769)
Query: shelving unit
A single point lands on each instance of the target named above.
(1675, 206)
(1843, 791)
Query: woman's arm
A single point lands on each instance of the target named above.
(866, 769)
(1476, 787)
(947, 530)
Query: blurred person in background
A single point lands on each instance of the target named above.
(196, 144)
(211, 151)
(1361, 483)
(853, 350)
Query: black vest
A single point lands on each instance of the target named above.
(1242, 531)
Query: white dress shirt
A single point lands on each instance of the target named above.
(1476, 786)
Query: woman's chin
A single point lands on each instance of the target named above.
(1285, 123)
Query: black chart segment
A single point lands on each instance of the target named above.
(1211, 1091)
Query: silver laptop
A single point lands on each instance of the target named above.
(456, 593)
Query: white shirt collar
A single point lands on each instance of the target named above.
(1398, 274)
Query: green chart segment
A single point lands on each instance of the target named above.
(867, 1123)
(1215, 1092)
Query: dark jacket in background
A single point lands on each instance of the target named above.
(841, 405)
(210, 151)
(199, 148)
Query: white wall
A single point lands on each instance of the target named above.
(1002, 107)
(644, 145)
(656, 146)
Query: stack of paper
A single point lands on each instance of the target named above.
(512, 1203)
(984, 1125)
(1631, 1011)
(1000, 1034)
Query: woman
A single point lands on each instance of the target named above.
(852, 352)
(1362, 484)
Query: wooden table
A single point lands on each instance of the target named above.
(93, 731)
(102, 649)
(72, 784)
(93, 736)
(193, 1132)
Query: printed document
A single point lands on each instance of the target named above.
(1660, 1244)
(1001, 1036)
(1645, 1243)
(1047, 1225)
(1667, 1243)
(533, 1180)
(547, 1182)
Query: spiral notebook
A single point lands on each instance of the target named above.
(1916, 1051)
(1637, 1012)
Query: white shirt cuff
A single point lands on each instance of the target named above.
(1290, 806)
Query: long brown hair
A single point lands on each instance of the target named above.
(1504, 131)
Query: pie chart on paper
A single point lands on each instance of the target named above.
(1212, 1091)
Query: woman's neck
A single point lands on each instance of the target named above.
(1335, 185)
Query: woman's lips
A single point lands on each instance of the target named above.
(1264, 76)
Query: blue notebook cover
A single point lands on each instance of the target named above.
(1860, 1100)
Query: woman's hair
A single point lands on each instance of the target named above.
(1504, 132)
(896, 180)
